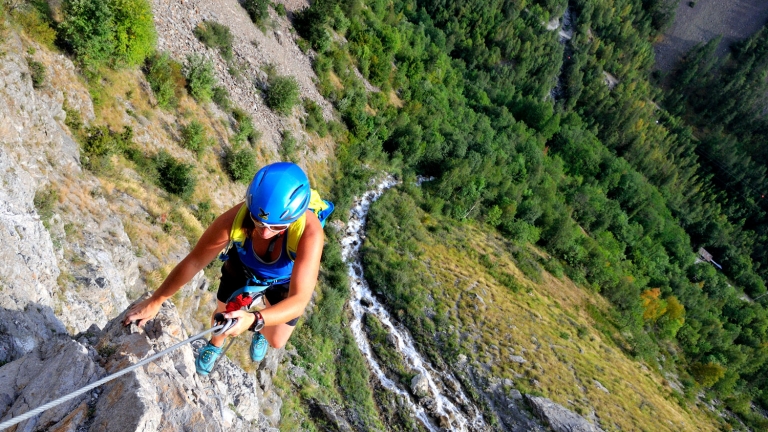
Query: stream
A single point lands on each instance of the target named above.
(449, 408)
(565, 34)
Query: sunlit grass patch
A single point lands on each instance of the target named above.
(570, 345)
(335, 81)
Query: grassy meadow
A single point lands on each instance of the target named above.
(474, 291)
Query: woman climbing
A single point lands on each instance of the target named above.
(272, 244)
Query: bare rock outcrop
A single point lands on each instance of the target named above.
(503, 401)
(253, 51)
(53, 369)
(27, 257)
(38, 154)
(420, 385)
(166, 394)
(559, 418)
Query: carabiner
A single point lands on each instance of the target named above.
(226, 323)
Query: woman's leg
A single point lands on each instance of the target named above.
(277, 335)
(232, 279)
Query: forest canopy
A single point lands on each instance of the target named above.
(614, 181)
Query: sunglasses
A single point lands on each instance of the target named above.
(271, 227)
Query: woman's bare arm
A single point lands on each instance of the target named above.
(213, 240)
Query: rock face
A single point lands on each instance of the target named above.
(35, 150)
(37, 154)
(504, 403)
(53, 369)
(253, 51)
(72, 269)
(38, 305)
(164, 395)
(420, 385)
(559, 418)
(168, 394)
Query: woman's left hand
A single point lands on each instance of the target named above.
(244, 321)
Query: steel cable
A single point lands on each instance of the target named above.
(49, 405)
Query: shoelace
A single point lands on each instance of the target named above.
(260, 342)
(207, 355)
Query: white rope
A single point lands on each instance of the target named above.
(49, 405)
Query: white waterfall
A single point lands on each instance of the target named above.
(444, 410)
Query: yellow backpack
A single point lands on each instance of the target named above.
(320, 207)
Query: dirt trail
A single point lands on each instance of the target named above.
(734, 19)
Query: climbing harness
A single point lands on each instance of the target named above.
(223, 324)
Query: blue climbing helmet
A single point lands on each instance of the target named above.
(278, 194)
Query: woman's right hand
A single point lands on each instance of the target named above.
(142, 312)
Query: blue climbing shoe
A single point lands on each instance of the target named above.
(259, 347)
(206, 358)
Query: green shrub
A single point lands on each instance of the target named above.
(36, 72)
(288, 146)
(241, 165)
(707, 374)
(320, 39)
(216, 36)
(203, 213)
(493, 217)
(311, 24)
(554, 267)
(303, 44)
(258, 10)
(282, 94)
(36, 25)
(315, 121)
(280, 9)
(165, 78)
(88, 31)
(221, 98)
(200, 78)
(520, 231)
(340, 20)
(193, 137)
(44, 201)
(120, 32)
(135, 35)
(144, 165)
(582, 332)
(245, 131)
(101, 141)
(74, 120)
(507, 280)
(175, 177)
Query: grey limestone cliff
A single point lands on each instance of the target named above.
(68, 274)
(164, 395)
